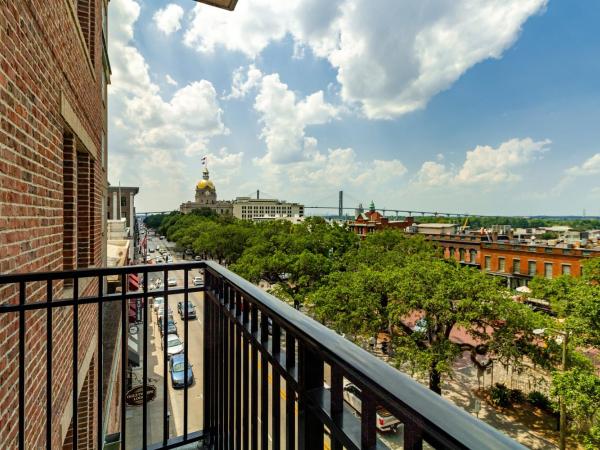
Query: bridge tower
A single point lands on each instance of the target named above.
(341, 205)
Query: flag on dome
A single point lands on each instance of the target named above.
(204, 160)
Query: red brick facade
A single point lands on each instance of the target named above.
(53, 181)
(372, 221)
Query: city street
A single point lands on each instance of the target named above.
(156, 372)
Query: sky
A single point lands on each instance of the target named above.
(464, 106)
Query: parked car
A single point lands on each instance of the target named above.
(159, 260)
(174, 345)
(161, 311)
(198, 281)
(162, 237)
(385, 420)
(169, 259)
(171, 327)
(189, 251)
(198, 258)
(172, 281)
(176, 368)
(191, 310)
(158, 302)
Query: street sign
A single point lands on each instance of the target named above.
(135, 396)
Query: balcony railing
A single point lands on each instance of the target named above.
(268, 375)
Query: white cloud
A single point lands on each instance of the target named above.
(285, 119)
(170, 80)
(591, 166)
(168, 19)
(485, 165)
(391, 59)
(244, 80)
(153, 132)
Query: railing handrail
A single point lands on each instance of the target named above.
(375, 374)
(387, 384)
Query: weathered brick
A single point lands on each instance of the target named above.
(43, 60)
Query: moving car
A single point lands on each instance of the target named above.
(198, 281)
(385, 421)
(172, 282)
(176, 368)
(171, 327)
(174, 345)
(191, 310)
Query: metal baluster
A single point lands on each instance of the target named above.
(145, 329)
(254, 381)
(245, 374)
(206, 355)
(368, 421)
(124, 332)
(165, 325)
(290, 394)
(185, 352)
(99, 350)
(337, 402)
(413, 436)
(310, 428)
(22, 293)
(232, 295)
(238, 368)
(49, 364)
(276, 388)
(75, 357)
(264, 381)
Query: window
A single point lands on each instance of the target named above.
(532, 268)
(548, 270)
(501, 265)
(473, 256)
(516, 265)
(123, 201)
(566, 269)
(488, 263)
(86, 14)
(461, 253)
(451, 252)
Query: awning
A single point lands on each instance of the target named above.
(134, 282)
(132, 311)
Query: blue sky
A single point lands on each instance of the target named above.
(487, 106)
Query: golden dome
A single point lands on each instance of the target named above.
(205, 184)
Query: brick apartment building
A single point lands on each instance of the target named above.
(516, 262)
(53, 74)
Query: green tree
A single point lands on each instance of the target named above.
(446, 296)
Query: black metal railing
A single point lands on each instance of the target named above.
(271, 377)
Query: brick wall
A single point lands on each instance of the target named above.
(52, 116)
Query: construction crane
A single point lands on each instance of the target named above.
(465, 225)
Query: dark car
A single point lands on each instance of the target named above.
(172, 328)
(176, 368)
(191, 310)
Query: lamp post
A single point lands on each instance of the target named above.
(563, 407)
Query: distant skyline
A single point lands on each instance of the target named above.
(486, 107)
